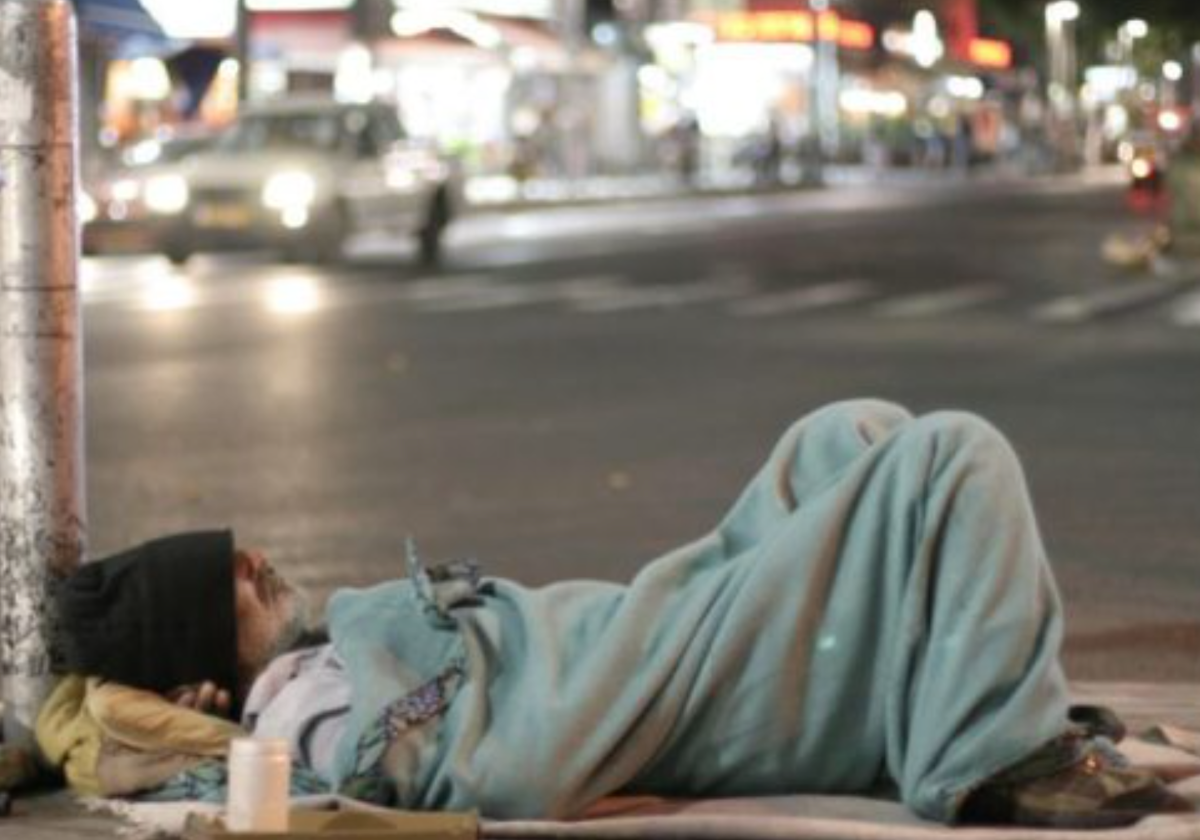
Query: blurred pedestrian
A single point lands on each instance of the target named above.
(769, 160)
(1183, 196)
(685, 147)
(964, 144)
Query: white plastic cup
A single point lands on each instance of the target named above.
(260, 771)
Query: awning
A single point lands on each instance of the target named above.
(116, 20)
(539, 47)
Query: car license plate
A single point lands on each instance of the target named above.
(228, 215)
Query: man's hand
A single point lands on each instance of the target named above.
(203, 697)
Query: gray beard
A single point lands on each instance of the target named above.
(296, 629)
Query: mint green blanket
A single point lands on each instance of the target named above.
(876, 609)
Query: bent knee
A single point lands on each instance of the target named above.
(866, 419)
(964, 432)
(820, 445)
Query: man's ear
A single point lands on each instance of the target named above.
(245, 564)
(248, 563)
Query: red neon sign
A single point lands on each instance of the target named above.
(856, 35)
(989, 52)
(828, 24)
(786, 27)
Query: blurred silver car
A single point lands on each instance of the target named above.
(130, 202)
(305, 176)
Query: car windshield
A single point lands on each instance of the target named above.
(157, 151)
(264, 132)
(179, 148)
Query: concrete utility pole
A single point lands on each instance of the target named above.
(242, 48)
(41, 429)
(1063, 73)
(1195, 80)
(574, 102)
(822, 137)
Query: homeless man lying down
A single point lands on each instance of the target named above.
(875, 613)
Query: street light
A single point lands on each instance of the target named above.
(1060, 41)
(927, 45)
(1061, 81)
(1137, 28)
(1129, 32)
(1172, 73)
(824, 116)
(1062, 11)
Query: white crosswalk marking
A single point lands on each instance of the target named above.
(1074, 309)
(1186, 311)
(944, 301)
(582, 290)
(499, 294)
(496, 296)
(820, 296)
(150, 284)
(667, 296)
(435, 289)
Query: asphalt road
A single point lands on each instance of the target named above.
(578, 390)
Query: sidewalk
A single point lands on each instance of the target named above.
(58, 816)
(501, 193)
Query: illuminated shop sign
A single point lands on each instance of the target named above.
(298, 5)
(544, 9)
(989, 52)
(789, 27)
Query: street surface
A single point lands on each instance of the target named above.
(578, 390)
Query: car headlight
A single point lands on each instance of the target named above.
(88, 211)
(126, 190)
(166, 194)
(289, 190)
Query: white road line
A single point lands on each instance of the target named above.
(500, 294)
(667, 296)
(446, 288)
(497, 296)
(584, 290)
(929, 304)
(1186, 311)
(820, 296)
(1075, 309)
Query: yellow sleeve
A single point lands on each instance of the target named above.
(68, 736)
(147, 721)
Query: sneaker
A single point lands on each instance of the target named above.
(1072, 782)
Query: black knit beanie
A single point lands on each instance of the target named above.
(157, 617)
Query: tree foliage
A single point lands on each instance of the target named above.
(1174, 25)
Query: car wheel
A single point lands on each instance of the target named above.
(332, 235)
(177, 255)
(429, 237)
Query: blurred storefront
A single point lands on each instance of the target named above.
(749, 77)
(108, 30)
(553, 88)
(507, 84)
(489, 86)
(766, 77)
(964, 99)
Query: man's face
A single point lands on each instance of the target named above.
(270, 613)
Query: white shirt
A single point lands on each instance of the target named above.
(302, 697)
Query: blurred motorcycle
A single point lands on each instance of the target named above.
(1145, 174)
(1145, 166)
